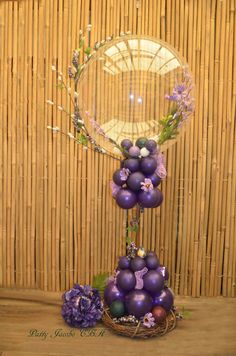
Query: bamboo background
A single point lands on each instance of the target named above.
(58, 222)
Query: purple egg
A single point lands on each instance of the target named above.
(148, 165)
(153, 282)
(112, 292)
(132, 164)
(126, 198)
(137, 263)
(164, 271)
(134, 181)
(117, 178)
(134, 151)
(152, 262)
(138, 303)
(165, 299)
(126, 144)
(151, 145)
(124, 262)
(155, 179)
(149, 199)
(126, 280)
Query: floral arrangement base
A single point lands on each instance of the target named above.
(139, 331)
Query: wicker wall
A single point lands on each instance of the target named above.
(58, 222)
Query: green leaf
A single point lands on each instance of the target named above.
(60, 86)
(132, 228)
(88, 51)
(81, 138)
(128, 240)
(99, 281)
(186, 313)
(81, 43)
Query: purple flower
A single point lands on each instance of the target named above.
(82, 306)
(148, 320)
(181, 96)
(115, 276)
(124, 174)
(139, 278)
(97, 127)
(75, 59)
(70, 72)
(114, 189)
(147, 185)
(161, 169)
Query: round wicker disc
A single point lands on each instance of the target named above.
(139, 331)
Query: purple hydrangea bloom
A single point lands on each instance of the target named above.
(82, 306)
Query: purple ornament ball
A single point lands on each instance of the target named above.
(126, 144)
(134, 151)
(149, 199)
(126, 280)
(165, 299)
(137, 263)
(112, 292)
(163, 270)
(134, 181)
(117, 178)
(132, 164)
(152, 262)
(155, 179)
(126, 199)
(148, 165)
(138, 303)
(151, 253)
(153, 282)
(151, 145)
(124, 263)
(141, 142)
(160, 199)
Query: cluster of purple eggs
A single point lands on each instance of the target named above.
(139, 287)
(137, 179)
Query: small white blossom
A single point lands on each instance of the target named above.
(53, 68)
(80, 32)
(50, 102)
(76, 94)
(80, 121)
(89, 27)
(55, 129)
(59, 78)
(71, 135)
(60, 108)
